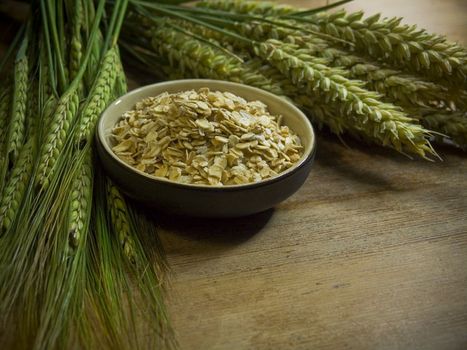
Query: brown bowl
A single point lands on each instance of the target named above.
(204, 200)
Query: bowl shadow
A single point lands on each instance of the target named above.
(215, 231)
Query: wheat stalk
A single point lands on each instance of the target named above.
(80, 202)
(16, 185)
(382, 123)
(94, 59)
(452, 124)
(395, 84)
(55, 136)
(100, 96)
(400, 45)
(76, 47)
(5, 102)
(121, 221)
(375, 119)
(16, 129)
(121, 85)
(265, 8)
(399, 86)
(32, 111)
(203, 60)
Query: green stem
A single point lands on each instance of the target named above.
(189, 19)
(53, 81)
(315, 10)
(92, 37)
(119, 22)
(56, 42)
(111, 26)
(12, 47)
(204, 40)
(61, 31)
(220, 16)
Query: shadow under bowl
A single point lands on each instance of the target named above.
(203, 200)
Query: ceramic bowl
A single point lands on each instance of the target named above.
(204, 200)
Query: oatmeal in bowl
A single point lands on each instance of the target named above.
(205, 137)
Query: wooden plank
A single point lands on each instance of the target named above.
(370, 254)
(363, 256)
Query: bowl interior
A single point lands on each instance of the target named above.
(292, 116)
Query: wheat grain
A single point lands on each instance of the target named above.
(44, 76)
(406, 88)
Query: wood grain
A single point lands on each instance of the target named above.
(370, 254)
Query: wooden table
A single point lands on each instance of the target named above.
(370, 254)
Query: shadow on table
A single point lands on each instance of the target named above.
(221, 232)
(328, 141)
(353, 160)
(371, 164)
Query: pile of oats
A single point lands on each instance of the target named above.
(205, 137)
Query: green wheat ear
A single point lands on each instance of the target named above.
(16, 186)
(376, 119)
(405, 46)
(267, 8)
(100, 96)
(17, 126)
(400, 86)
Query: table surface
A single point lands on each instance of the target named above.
(371, 253)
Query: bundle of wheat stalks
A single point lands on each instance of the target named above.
(73, 254)
(374, 78)
(77, 262)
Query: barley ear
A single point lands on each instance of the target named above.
(120, 221)
(100, 96)
(5, 102)
(451, 124)
(80, 201)
(404, 46)
(267, 8)
(361, 109)
(55, 136)
(16, 127)
(16, 186)
(76, 47)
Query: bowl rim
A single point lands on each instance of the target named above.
(306, 157)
